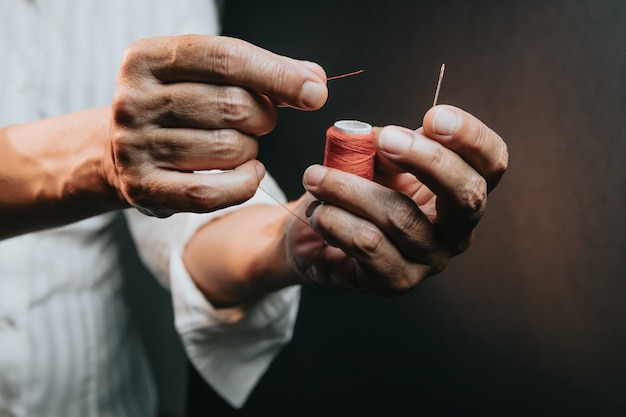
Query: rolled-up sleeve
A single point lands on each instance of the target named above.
(230, 347)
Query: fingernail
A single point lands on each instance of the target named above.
(313, 94)
(260, 171)
(394, 140)
(314, 175)
(311, 208)
(445, 122)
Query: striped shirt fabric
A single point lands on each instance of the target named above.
(67, 344)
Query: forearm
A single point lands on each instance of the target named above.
(52, 173)
(242, 256)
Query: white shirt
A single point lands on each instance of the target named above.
(67, 347)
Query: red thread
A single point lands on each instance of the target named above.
(283, 206)
(350, 148)
(349, 74)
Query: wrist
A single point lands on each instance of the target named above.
(65, 160)
(52, 172)
(86, 169)
(241, 257)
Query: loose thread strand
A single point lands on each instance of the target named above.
(335, 77)
(349, 74)
(284, 206)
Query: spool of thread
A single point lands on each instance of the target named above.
(350, 148)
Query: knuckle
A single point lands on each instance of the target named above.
(368, 240)
(403, 286)
(166, 100)
(405, 277)
(123, 148)
(134, 53)
(227, 145)
(225, 58)
(170, 111)
(483, 135)
(437, 156)
(206, 197)
(502, 162)
(476, 136)
(172, 56)
(437, 265)
(474, 196)
(235, 106)
(164, 54)
(201, 195)
(403, 280)
(278, 79)
(480, 132)
(135, 192)
(126, 107)
(137, 58)
(415, 273)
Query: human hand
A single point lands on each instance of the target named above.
(387, 235)
(194, 103)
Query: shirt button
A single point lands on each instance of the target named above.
(6, 323)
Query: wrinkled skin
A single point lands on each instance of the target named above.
(196, 103)
(429, 193)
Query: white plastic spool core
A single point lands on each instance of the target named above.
(353, 127)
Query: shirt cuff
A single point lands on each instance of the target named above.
(230, 347)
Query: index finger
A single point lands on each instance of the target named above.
(229, 61)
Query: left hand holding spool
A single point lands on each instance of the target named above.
(429, 192)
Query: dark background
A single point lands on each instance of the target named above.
(531, 320)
